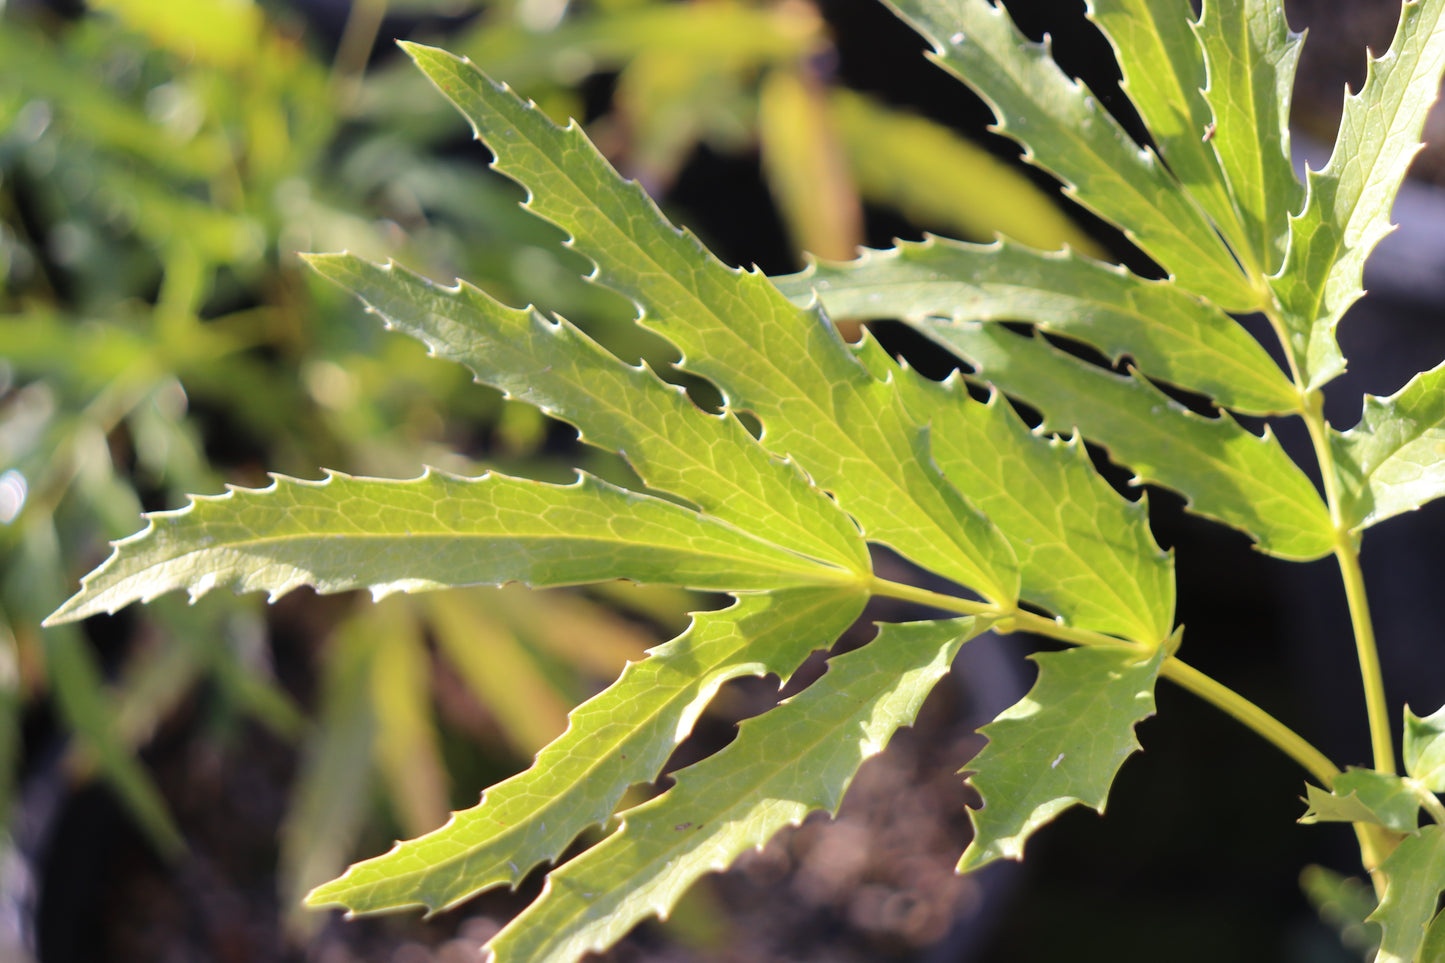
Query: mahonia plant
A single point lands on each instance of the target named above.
(855, 448)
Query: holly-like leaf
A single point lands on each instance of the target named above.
(784, 764)
(1393, 461)
(1164, 76)
(1085, 552)
(1365, 796)
(1059, 746)
(1425, 749)
(1065, 131)
(435, 531)
(1170, 334)
(1414, 878)
(1347, 209)
(1251, 54)
(672, 444)
(616, 739)
(787, 366)
(1225, 471)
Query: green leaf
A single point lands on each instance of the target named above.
(1066, 132)
(1347, 209)
(1365, 796)
(620, 737)
(1226, 472)
(434, 531)
(1085, 552)
(784, 764)
(1343, 903)
(1251, 54)
(789, 367)
(672, 444)
(1425, 749)
(1393, 461)
(1059, 746)
(1169, 334)
(1164, 77)
(1414, 877)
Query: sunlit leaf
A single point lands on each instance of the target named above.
(1393, 461)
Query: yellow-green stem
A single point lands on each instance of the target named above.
(1313, 761)
(1227, 700)
(1348, 556)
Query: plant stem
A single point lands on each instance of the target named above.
(1316, 763)
(1348, 556)
(1288, 741)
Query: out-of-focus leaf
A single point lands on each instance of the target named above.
(805, 166)
(1343, 903)
(498, 670)
(939, 179)
(405, 748)
(220, 32)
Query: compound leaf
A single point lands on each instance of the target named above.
(1170, 334)
(672, 444)
(434, 531)
(784, 764)
(1393, 461)
(1347, 208)
(1425, 749)
(1066, 132)
(1164, 77)
(788, 366)
(618, 738)
(1059, 746)
(1414, 877)
(1365, 796)
(1251, 55)
(1226, 472)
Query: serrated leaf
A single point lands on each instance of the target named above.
(1425, 749)
(1393, 461)
(1347, 208)
(1059, 746)
(1164, 77)
(620, 737)
(435, 531)
(1085, 553)
(792, 760)
(1170, 334)
(1365, 796)
(1250, 54)
(1414, 878)
(672, 444)
(1225, 471)
(789, 367)
(1066, 132)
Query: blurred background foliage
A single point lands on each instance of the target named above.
(160, 166)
